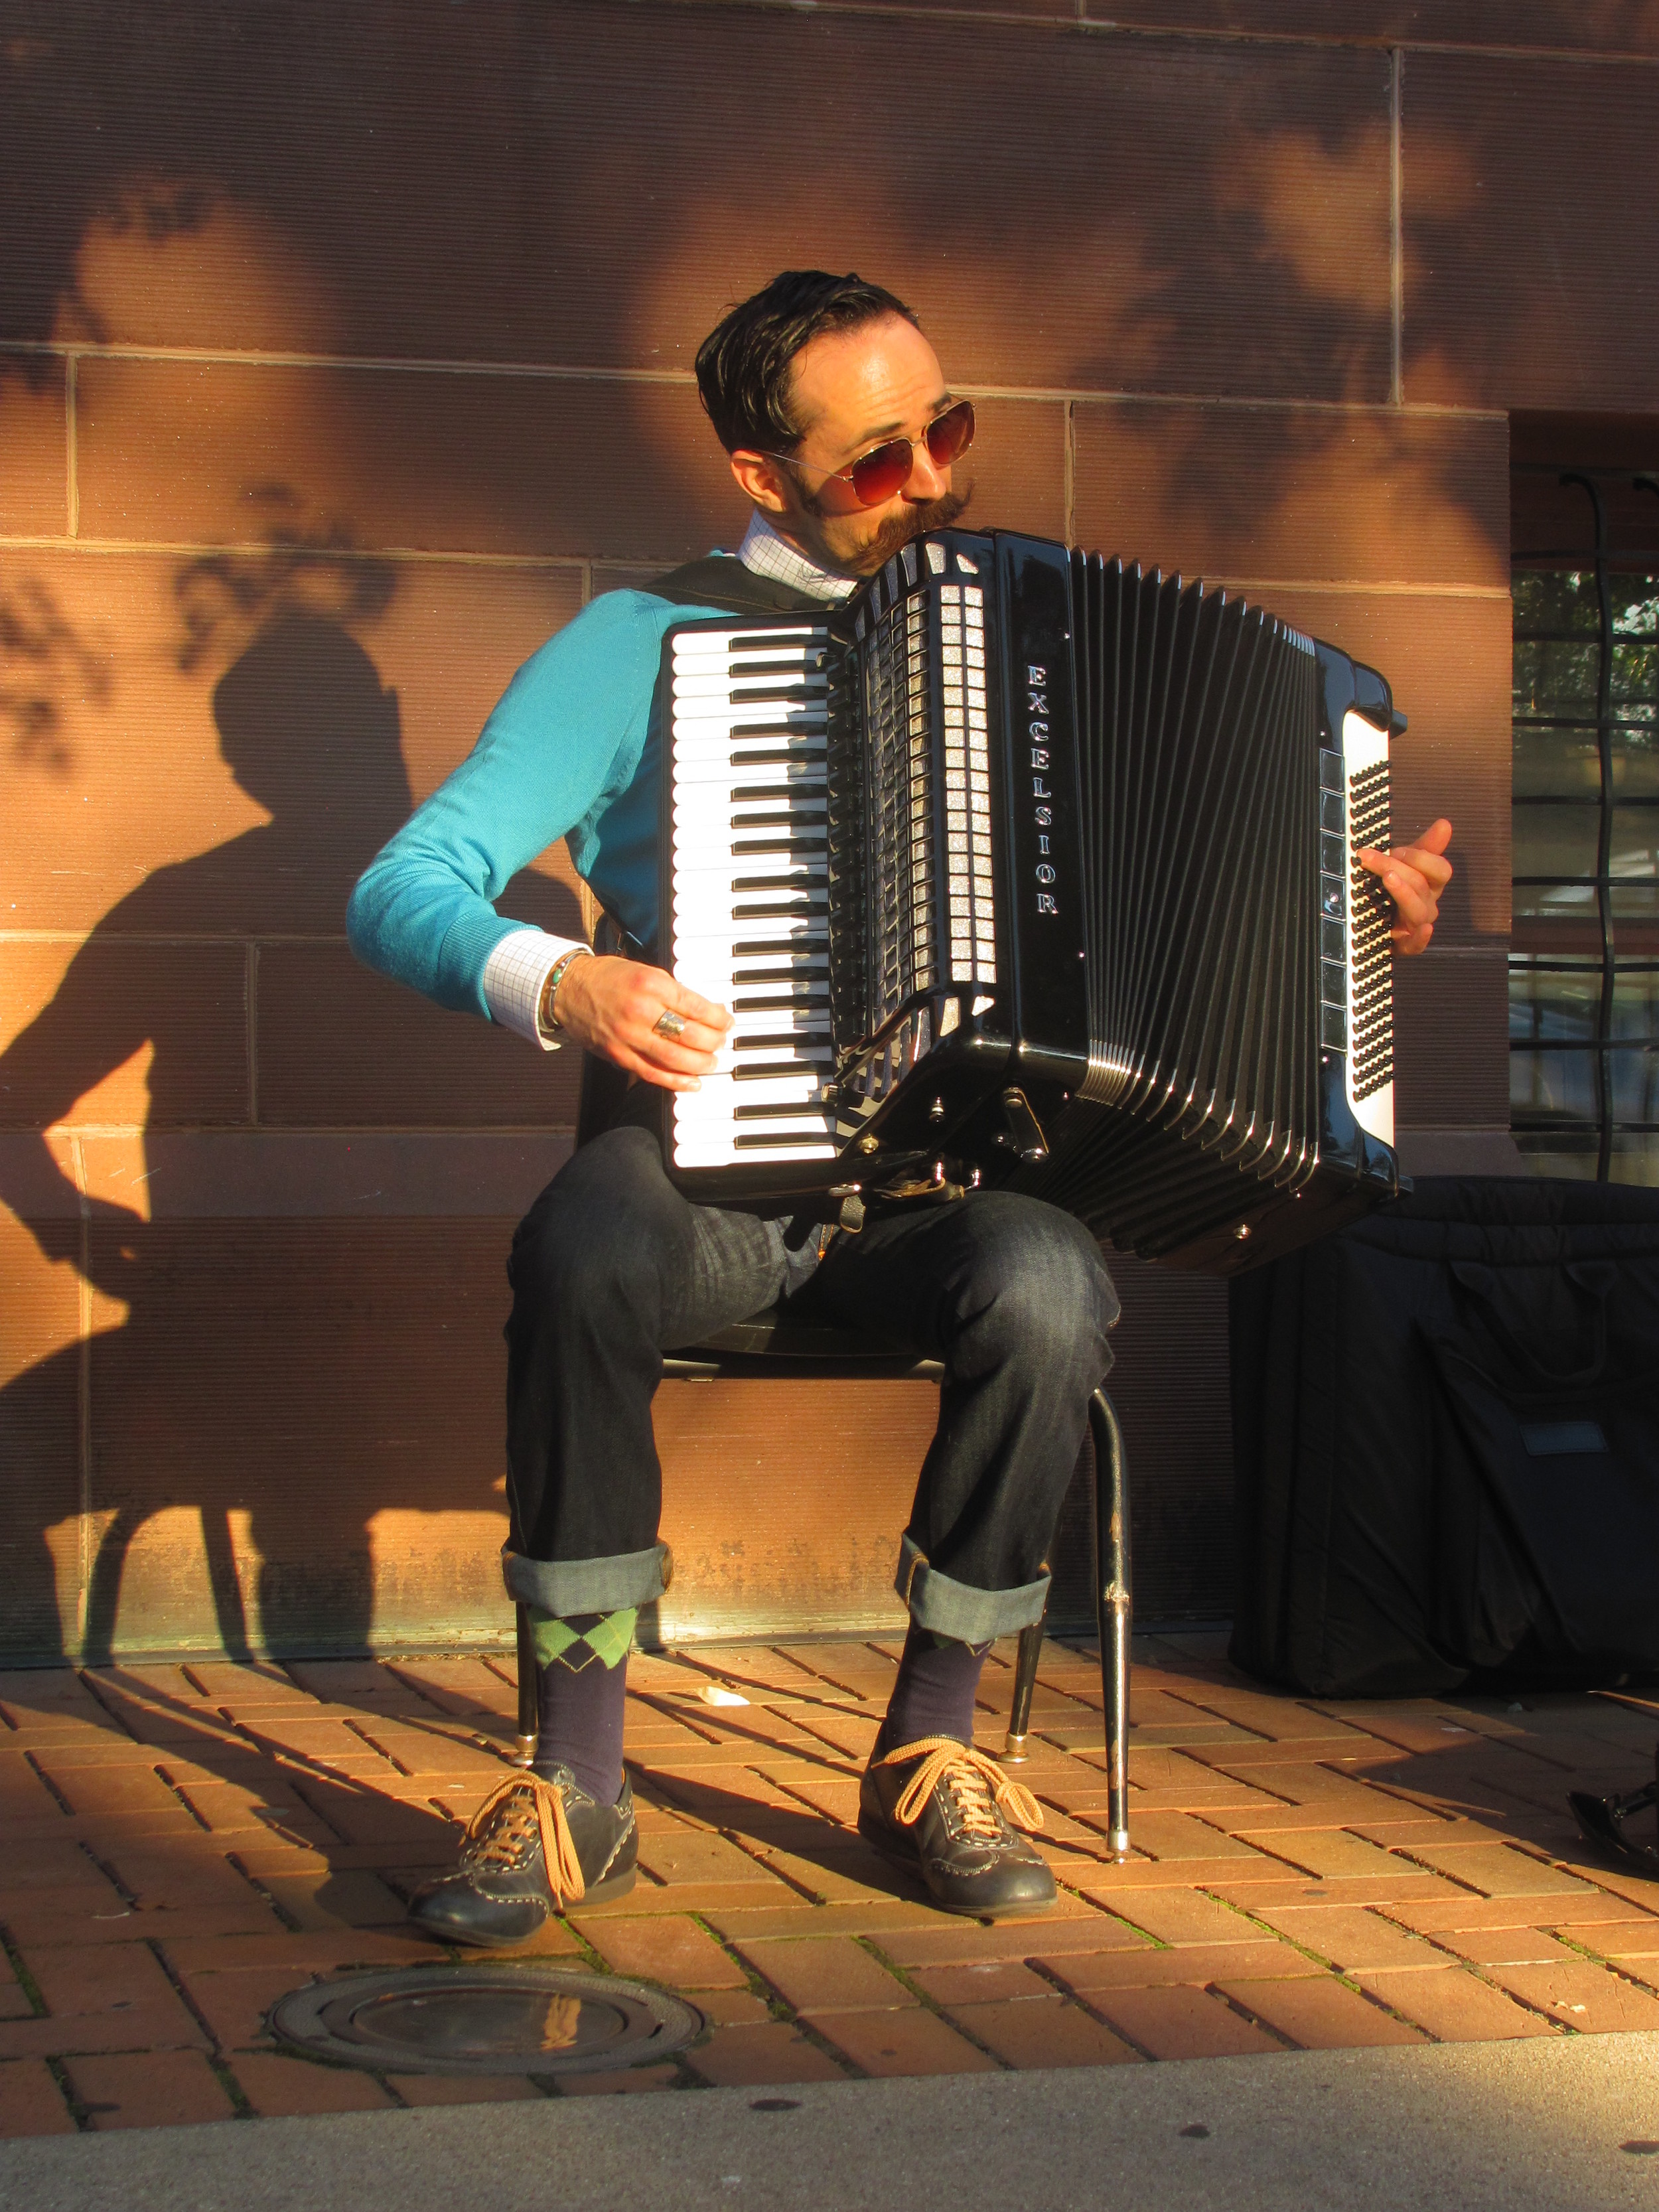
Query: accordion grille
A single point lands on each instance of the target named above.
(902, 864)
(1369, 918)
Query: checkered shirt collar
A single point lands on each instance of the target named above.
(766, 554)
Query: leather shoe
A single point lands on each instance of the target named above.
(536, 1846)
(943, 1810)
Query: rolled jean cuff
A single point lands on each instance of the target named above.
(571, 1586)
(957, 1609)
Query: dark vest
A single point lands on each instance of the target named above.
(718, 580)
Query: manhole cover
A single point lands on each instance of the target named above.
(527, 2019)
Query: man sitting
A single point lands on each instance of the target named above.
(842, 433)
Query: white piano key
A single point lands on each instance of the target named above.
(804, 1126)
(797, 652)
(697, 936)
(713, 693)
(696, 716)
(774, 1156)
(772, 768)
(692, 645)
(720, 1093)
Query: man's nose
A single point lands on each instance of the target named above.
(927, 479)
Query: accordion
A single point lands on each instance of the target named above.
(1024, 868)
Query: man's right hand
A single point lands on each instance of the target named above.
(612, 1006)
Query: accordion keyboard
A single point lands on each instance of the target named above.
(747, 717)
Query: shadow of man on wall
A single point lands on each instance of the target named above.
(182, 1404)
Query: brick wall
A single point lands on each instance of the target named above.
(346, 352)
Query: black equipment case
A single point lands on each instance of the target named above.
(1446, 1434)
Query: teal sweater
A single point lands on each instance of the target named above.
(571, 750)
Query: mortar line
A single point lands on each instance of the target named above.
(1396, 246)
(71, 446)
(250, 993)
(82, 1400)
(968, 388)
(1372, 587)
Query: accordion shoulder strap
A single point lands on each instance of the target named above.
(720, 580)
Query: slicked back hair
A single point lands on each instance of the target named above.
(744, 364)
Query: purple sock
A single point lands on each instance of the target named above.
(583, 1681)
(937, 1682)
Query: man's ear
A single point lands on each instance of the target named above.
(760, 480)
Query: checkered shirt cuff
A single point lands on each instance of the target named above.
(515, 977)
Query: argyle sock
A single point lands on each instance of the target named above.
(938, 1681)
(582, 1662)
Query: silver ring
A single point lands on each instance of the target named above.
(668, 1023)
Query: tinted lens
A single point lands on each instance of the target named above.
(879, 475)
(950, 433)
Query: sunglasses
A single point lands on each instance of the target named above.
(876, 475)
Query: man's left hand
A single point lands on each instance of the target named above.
(1413, 876)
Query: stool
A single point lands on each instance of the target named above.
(774, 1345)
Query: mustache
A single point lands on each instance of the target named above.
(916, 522)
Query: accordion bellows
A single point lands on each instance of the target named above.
(1026, 868)
(1212, 1014)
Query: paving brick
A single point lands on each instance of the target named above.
(948, 1940)
(903, 2042)
(1179, 2023)
(420, 2089)
(97, 1979)
(1497, 1871)
(1581, 1994)
(1455, 2006)
(988, 1981)
(791, 1915)
(143, 2027)
(235, 2005)
(314, 1951)
(671, 1950)
(1189, 1965)
(149, 2090)
(1047, 2031)
(1182, 1916)
(730, 2007)
(1433, 1916)
(1635, 1941)
(1328, 1853)
(626, 2081)
(1164, 1836)
(1489, 1947)
(356, 1899)
(755, 2057)
(1349, 1936)
(825, 1974)
(278, 2087)
(31, 2103)
(1337, 1889)
(1319, 2013)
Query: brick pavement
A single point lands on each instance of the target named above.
(180, 1844)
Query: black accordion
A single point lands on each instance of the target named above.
(1024, 868)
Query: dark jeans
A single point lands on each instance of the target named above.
(610, 1267)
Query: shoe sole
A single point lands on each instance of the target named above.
(601, 1894)
(897, 1856)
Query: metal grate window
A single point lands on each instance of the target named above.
(1584, 966)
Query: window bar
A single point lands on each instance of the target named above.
(1604, 836)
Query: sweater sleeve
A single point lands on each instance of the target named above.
(562, 744)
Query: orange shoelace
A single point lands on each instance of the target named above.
(525, 1807)
(977, 1785)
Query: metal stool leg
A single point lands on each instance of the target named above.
(1019, 1713)
(1114, 1609)
(529, 1704)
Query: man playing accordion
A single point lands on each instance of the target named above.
(843, 435)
